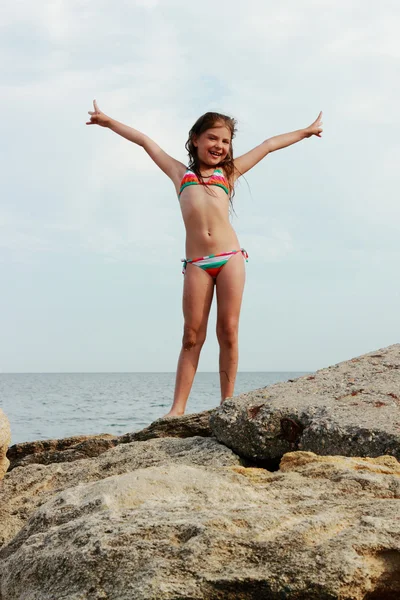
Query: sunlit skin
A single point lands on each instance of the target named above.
(208, 231)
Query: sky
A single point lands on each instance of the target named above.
(91, 234)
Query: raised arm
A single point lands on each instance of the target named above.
(171, 167)
(247, 161)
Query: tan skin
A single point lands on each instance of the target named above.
(208, 231)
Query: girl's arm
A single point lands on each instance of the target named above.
(171, 167)
(247, 161)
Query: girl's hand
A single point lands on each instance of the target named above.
(97, 117)
(315, 128)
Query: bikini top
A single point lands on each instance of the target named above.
(217, 178)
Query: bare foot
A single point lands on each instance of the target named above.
(172, 413)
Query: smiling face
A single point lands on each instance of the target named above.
(213, 145)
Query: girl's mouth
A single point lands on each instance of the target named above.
(215, 154)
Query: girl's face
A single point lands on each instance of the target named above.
(213, 144)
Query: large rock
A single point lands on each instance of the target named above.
(322, 528)
(5, 439)
(45, 452)
(190, 425)
(350, 409)
(24, 489)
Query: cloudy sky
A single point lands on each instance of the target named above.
(91, 235)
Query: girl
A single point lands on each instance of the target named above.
(214, 257)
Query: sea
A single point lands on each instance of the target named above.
(43, 406)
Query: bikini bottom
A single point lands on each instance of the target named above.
(214, 263)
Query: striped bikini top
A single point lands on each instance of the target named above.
(217, 178)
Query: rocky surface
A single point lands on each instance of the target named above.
(5, 439)
(25, 489)
(197, 424)
(349, 409)
(322, 528)
(170, 512)
(45, 452)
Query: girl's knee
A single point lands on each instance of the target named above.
(227, 332)
(192, 337)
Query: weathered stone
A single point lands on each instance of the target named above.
(24, 489)
(44, 452)
(197, 424)
(5, 439)
(350, 409)
(322, 528)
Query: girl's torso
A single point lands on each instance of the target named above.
(205, 212)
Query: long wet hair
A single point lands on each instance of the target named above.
(207, 121)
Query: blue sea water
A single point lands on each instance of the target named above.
(56, 405)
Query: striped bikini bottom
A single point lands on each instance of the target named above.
(214, 263)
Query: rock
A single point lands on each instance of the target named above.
(197, 424)
(44, 452)
(5, 439)
(350, 409)
(24, 489)
(322, 528)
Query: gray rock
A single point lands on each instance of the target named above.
(24, 489)
(349, 409)
(323, 528)
(5, 439)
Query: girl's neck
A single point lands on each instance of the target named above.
(203, 168)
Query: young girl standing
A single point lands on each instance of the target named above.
(215, 259)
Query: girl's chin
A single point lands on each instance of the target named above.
(211, 161)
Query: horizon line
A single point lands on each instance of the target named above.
(132, 372)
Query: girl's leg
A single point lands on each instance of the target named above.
(198, 291)
(230, 285)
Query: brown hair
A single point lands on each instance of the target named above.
(207, 121)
